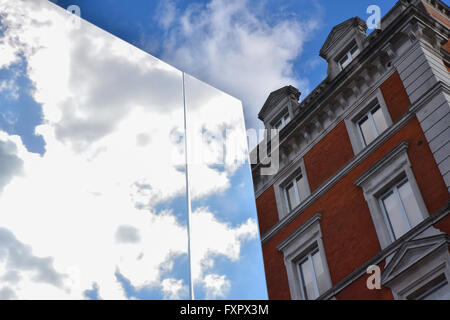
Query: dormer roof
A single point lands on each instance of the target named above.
(276, 97)
(339, 31)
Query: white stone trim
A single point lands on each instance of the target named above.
(375, 181)
(338, 115)
(306, 238)
(362, 108)
(283, 180)
(383, 255)
(416, 264)
(316, 194)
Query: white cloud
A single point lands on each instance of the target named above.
(216, 286)
(7, 293)
(18, 261)
(167, 13)
(88, 204)
(9, 117)
(173, 289)
(11, 164)
(11, 88)
(212, 238)
(215, 132)
(228, 44)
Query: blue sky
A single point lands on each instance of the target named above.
(140, 24)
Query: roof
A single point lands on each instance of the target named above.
(339, 31)
(275, 97)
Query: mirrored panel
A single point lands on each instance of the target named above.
(92, 165)
(95, 188)
(226, 250)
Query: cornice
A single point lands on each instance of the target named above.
(325, 100)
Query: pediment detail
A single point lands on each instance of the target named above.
(410, 253)
(339, 31)
(276, 97)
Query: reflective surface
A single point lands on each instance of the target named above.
(225, 240)
(93, 194)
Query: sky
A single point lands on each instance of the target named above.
(79, 129)
(247, 48)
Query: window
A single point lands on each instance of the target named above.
(283, 121)
(348, 57)
(367, 121)
(312, 275)
(305, 261)
(292, 189)
(401, 209)
(372, 124)
(296, 191)
(393, 197)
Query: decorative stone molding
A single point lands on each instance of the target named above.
(388, 50)
(295, 246)
(414, 30)
(391, 167)
(334, 97)
(416, 263)
(390, 251)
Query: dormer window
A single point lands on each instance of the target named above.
(279, 108)
(282, 121)
(349, 56)
(343, 44)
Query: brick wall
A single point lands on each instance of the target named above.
(446, 47)
(328, 156)
(444, 225)
(358, 290)
(348, 232)
(395, 96)
(437, 15)
(266, 207)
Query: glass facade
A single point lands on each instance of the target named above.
(132, 154)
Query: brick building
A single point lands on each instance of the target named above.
(364, 166)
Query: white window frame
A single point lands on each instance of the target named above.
(394, 190)
(284, 119)
(309, 258)
(353, 119)
(417, 264)
(293, 182)
(283, 181)
(373, 125)
(305, 240)
(350, 56)
(376, 181)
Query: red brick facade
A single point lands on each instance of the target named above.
(266, 205)
(328, 156)
(349, 235)
(352, 221)
(395, 96)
